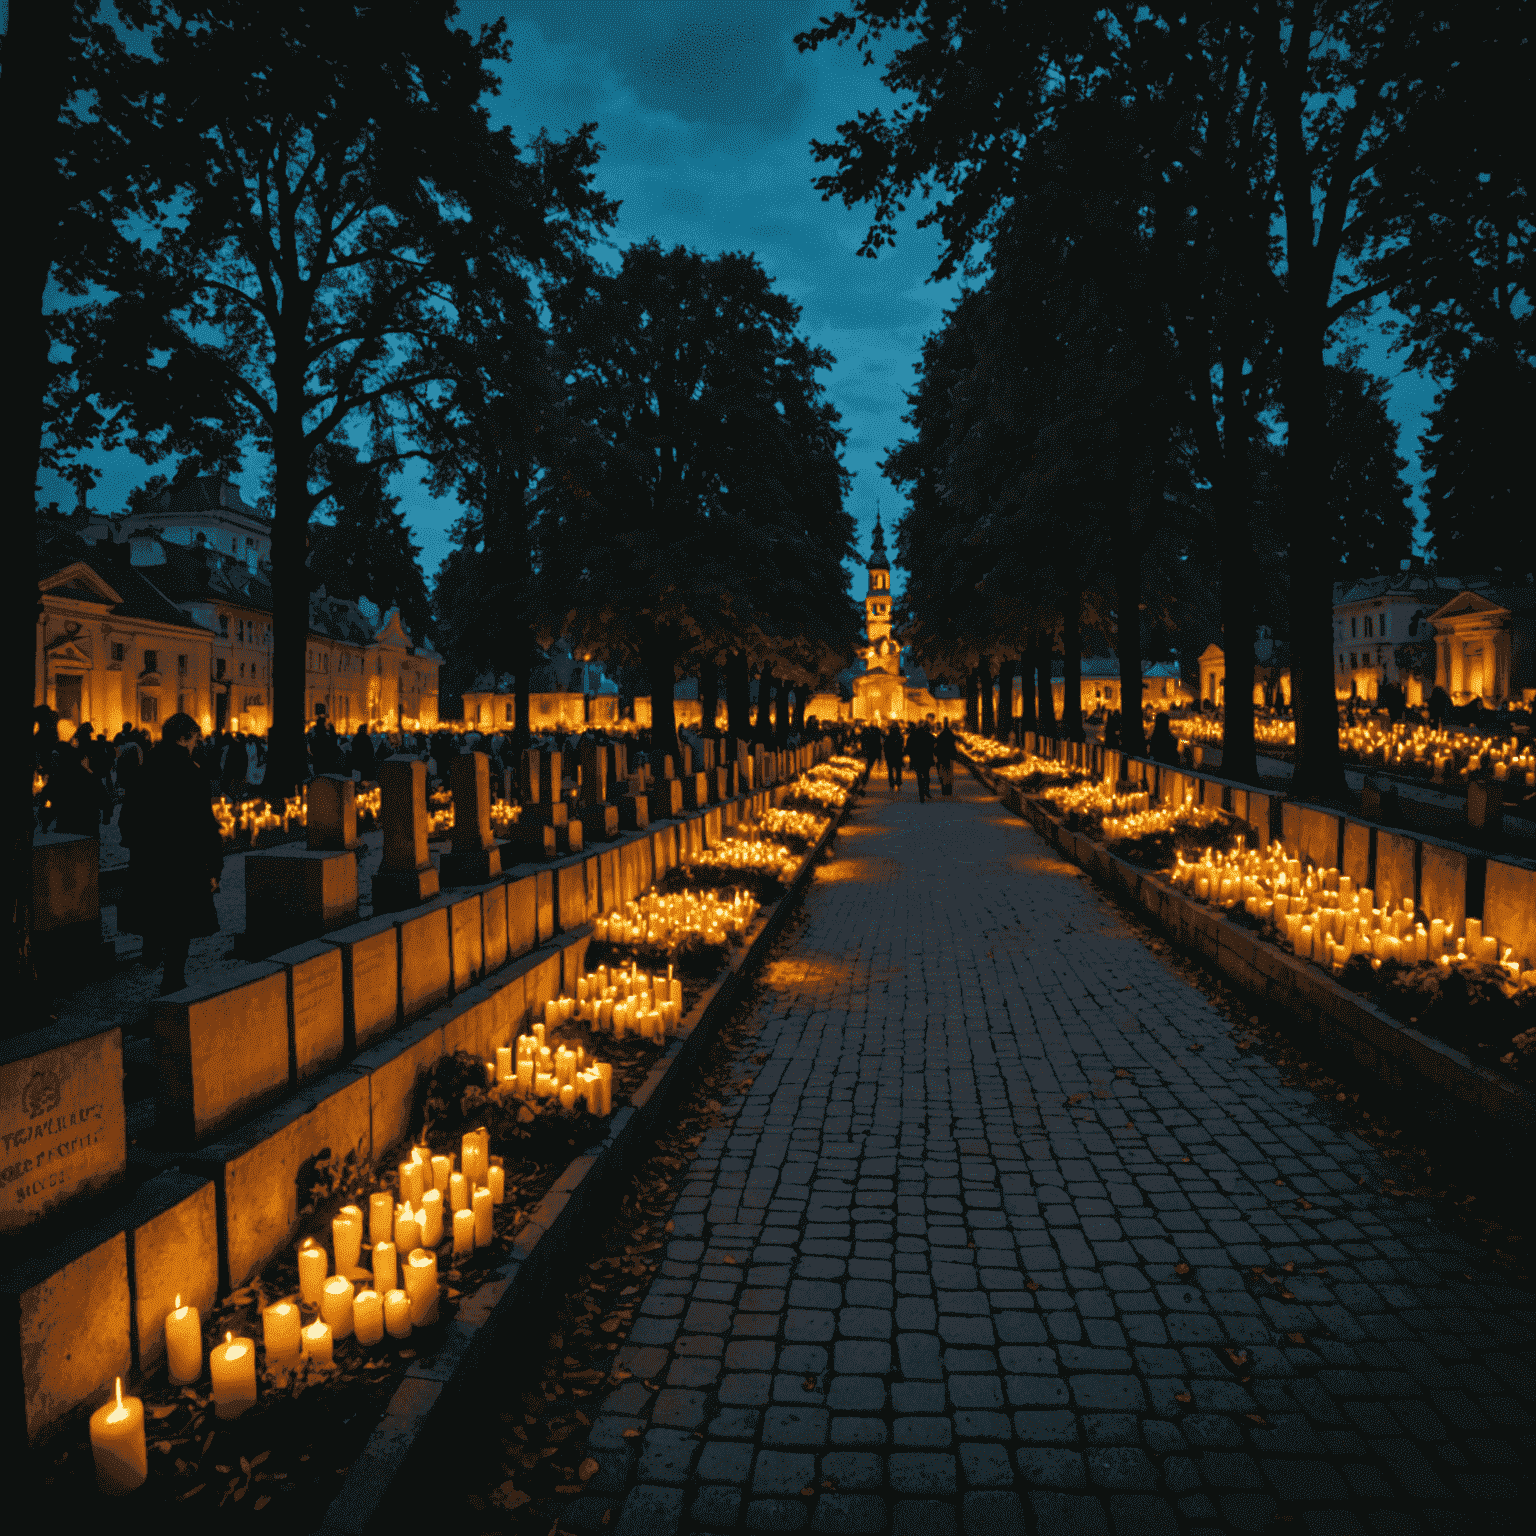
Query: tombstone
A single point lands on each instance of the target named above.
(63, 1116)
(407, 877)
(1485, 806)
(475, 859)
(594, 773)
(330, 817)
(669, 765)
(294, 894)
(693, 792)
(66, 907)
(709, 754)
(721, 783)
(687, 755)
(634, 807)
(528, 777)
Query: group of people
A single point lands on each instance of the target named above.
(921, 747)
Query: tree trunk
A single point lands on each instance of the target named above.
(764, 732)
(1319, 766)
(658, 655)
(781, 716)
(972, 700)
(984, 682)
(1047, 707)
(523, 660)
(286, 762)
(1128, 645)
(709, 696)
(1072, 669)
(1234, 545)
(38, 60)
(1006, 668)
(1027, 692)
(738, 696)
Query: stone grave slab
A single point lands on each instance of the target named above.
(493, 909)
(316, 1010)
(426, 960)
(173, 1250)
(1443, 883)
(292, 894)
(393, 1068)
(1357, 852)
(407, 877)
(370, 979)
(522, 915)
(469, 1023)
(571, 895)
(475, 858)
(330, 812)
(466, 937)
(1396, 862)
(544, 885)
(1509, 908)
(65, 1331)
(221, 1051)
(63, 1123)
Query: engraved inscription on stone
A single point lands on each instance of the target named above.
(63, 1129)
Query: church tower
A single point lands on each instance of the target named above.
(882, 654)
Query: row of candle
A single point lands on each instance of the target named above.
(746, 854)
(783, 822)
(1325, 917)
(822, 791)
(660, 920)
(534, 1069)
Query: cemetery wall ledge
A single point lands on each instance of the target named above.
(1399, 1055)
(551, 1242)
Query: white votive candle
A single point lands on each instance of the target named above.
(232, 1366)
(336, 1306)
(496, 1182)
(381, 1217)
(183, 1344)
(503, 1065)
(317, 1343)
(431, 1219)
(368, 1317)
(383, 1267)
(458, 1193)
(280, 1334)
(442, 1168)
(483, 1207)
(407, 1229)
(347, 1239)
(313, 1269)
(421, 1286)
(397, 1314)
(463, 1234)
(411, 1182)
(117, 1443)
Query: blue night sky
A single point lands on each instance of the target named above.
(705, 111)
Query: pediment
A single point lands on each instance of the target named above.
(1464, 604)
(66, 652)
(392, 631)
(78, 580)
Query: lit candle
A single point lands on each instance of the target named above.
(232, 1365)
(407, 1229)
(117, 1444)
(368, 1317)
(496, 1182)
(442, 1168)
(280, 1334)
(458, 1193)
(525, 1077)
(431, 1219)
(483, 1208)
(312, 1271)
(317, 1343)
(184, 1344)
(347, 1239)
(503, 1066)
(411, 1182)
(381, 1217)
(421, 1286)
(397, 1314)
(383, 1267)
(463, 1234)
(567, 1097)
(336, 1305)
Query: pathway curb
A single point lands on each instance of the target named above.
(1397, 1053)
(551, 1237)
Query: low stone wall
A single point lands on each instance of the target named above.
(313, 1053)
(1398, 1054)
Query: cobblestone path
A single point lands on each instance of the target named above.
(1009, 1236)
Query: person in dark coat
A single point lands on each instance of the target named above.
(362, 756)
(895, 750)
(74, 799)
(176, 853)
(869, 744)
(237, 767)
(1164, 747)
(945, 750)
(920, 753)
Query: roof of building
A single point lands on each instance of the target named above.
(138, 598)
(877, 559)
(1413, 586)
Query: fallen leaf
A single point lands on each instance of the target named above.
(1297, 1338)
(1121, 1072)
(509, 1496)
(1197, 1048)
(262, 1502)
(1031, 1285)
(1257, 1418)
(588, 1469)
(1183, 1397)
(1181, 1268)
(807, 1493)
(191, 1493)
(162, 1410)
(670, 1227)
(631, 1434)
(1236, 1358)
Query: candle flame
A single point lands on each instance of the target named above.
(119, 1413)
(178, 1302)
(229, 1338)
